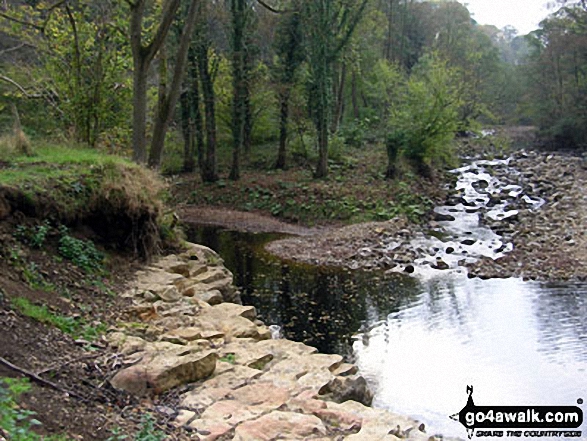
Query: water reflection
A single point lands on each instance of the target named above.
(419, 342)
(487, 333)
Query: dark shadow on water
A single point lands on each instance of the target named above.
(320, 306)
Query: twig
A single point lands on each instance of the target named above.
(38, 379)
(62, 365)
(275, 10)
(19, 87)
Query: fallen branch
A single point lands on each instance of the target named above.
(38, 379)
(62, 365)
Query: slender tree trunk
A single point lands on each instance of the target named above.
(209, 171)
(198, 124)
(165, 111)
(354, 98)
(283, 118)
(142, 57)
(247, 120)
(187, 126)
(339, 110)
(247, 107)
(238, 66)
(139, 132)
(322, 166)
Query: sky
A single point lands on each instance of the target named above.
(524, 15)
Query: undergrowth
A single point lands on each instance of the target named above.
(17, 423)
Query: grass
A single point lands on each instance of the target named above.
(67, 325)
(69, 184)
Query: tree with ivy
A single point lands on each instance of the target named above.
(328, 25)
(290, 55)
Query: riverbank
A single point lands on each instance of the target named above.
(214, 372)
(549, 243)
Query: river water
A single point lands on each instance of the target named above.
(420, 340)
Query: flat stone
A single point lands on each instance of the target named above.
(156, 277)
(266, 396)
(161, 371)
(346, 369)
(203, 397)
(286, 348)
(247, 353)
(195, 333)
(167, 293)
(231, 412)
(214, 275)
(210, 430)
(233, 378)
(232, 310)
(280, 425)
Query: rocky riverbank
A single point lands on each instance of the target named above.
(548, 241)
(221, 375)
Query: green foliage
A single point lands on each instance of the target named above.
(556, 92)
(228, 358)
(43, 315)
(83, 253)
(148, 431)
(428, 118)
(35, 236)
(81, 63)
(16, 422)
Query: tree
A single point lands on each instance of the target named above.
(238, 9)
(78, 64)
(290, 55)
(424, 126)
(143, 54)
(557, 86)
(169, 97)
(199, 91)
(328, 26)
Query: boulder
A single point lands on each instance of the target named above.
(160, 371)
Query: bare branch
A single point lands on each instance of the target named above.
(38, 379)
(22, 22)
(166, 21)
(275, 10)
(12, 49)
(19, 87)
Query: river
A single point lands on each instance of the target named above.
(421, 339)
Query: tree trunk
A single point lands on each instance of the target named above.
(339, 110)
(165, 112)
(142, 57)
(354, 98)
(283, 118)
(238, 66)
(209, 171)
(187, 126)
(139, 125)
(322, 166)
